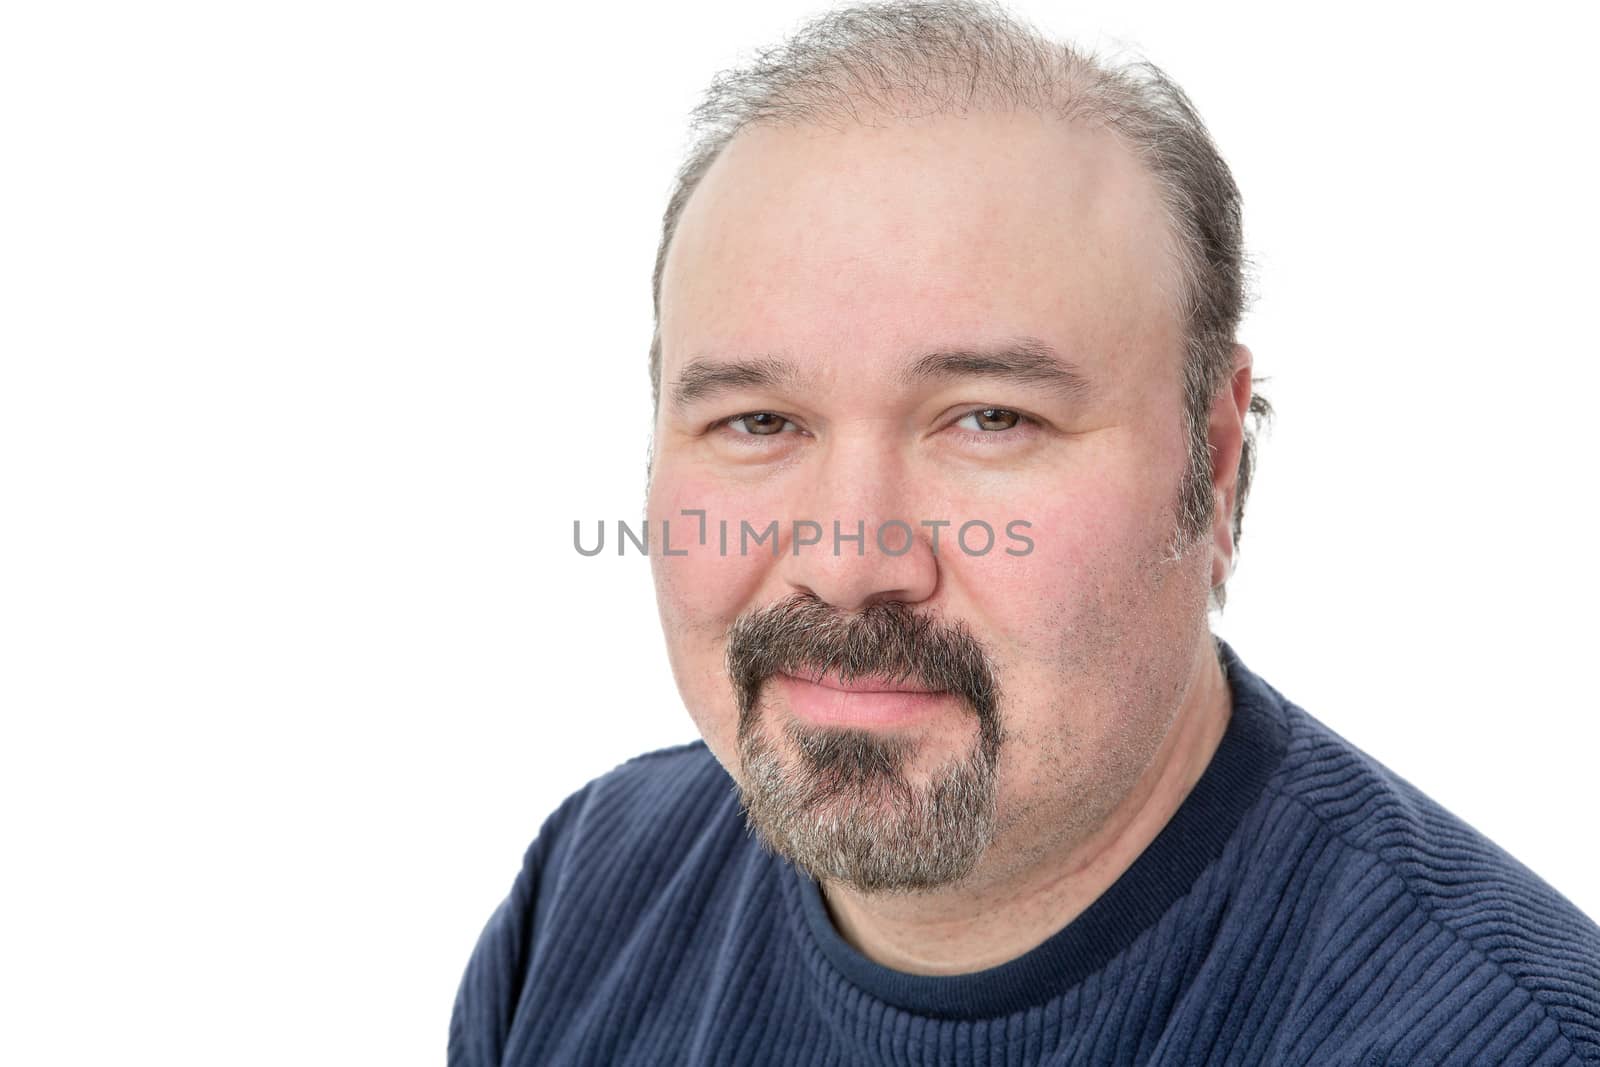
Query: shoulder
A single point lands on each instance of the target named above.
(1418, 892)
(650, 787)
(641, 804)
(629, 851)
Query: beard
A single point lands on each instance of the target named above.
(842, 803)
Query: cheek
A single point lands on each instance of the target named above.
(704, 555)
(701, 591)
(1086, 525)
(1091, 627)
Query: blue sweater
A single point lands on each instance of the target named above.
(1305, 905)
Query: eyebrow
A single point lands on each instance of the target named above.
(703, 378)
(1027, 361)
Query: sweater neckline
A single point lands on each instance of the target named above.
(1251, 749)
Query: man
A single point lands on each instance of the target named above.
(927, 278)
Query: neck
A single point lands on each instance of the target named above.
(984, 922)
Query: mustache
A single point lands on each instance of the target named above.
(802, 635)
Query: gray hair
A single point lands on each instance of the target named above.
(902, 58)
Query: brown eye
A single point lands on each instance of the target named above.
(992, 419)
(759, 423)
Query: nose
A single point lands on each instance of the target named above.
(857, 539)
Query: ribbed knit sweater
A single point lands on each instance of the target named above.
(1304, 905)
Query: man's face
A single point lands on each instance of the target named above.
(871, 286)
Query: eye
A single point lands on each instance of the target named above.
(990, 419)
(759, 424)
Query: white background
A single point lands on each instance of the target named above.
(323, 321)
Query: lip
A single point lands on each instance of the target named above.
(860, 702)
(831, 680)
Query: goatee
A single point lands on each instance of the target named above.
(844, 806)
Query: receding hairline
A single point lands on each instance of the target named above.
(1168, 280)
(1040, 76)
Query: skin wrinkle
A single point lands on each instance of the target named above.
(962, 839)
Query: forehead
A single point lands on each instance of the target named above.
(833, 244)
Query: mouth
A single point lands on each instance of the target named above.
(826, 700)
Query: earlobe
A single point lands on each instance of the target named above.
(1222, 554)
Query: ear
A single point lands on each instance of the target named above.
(1225, 435)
